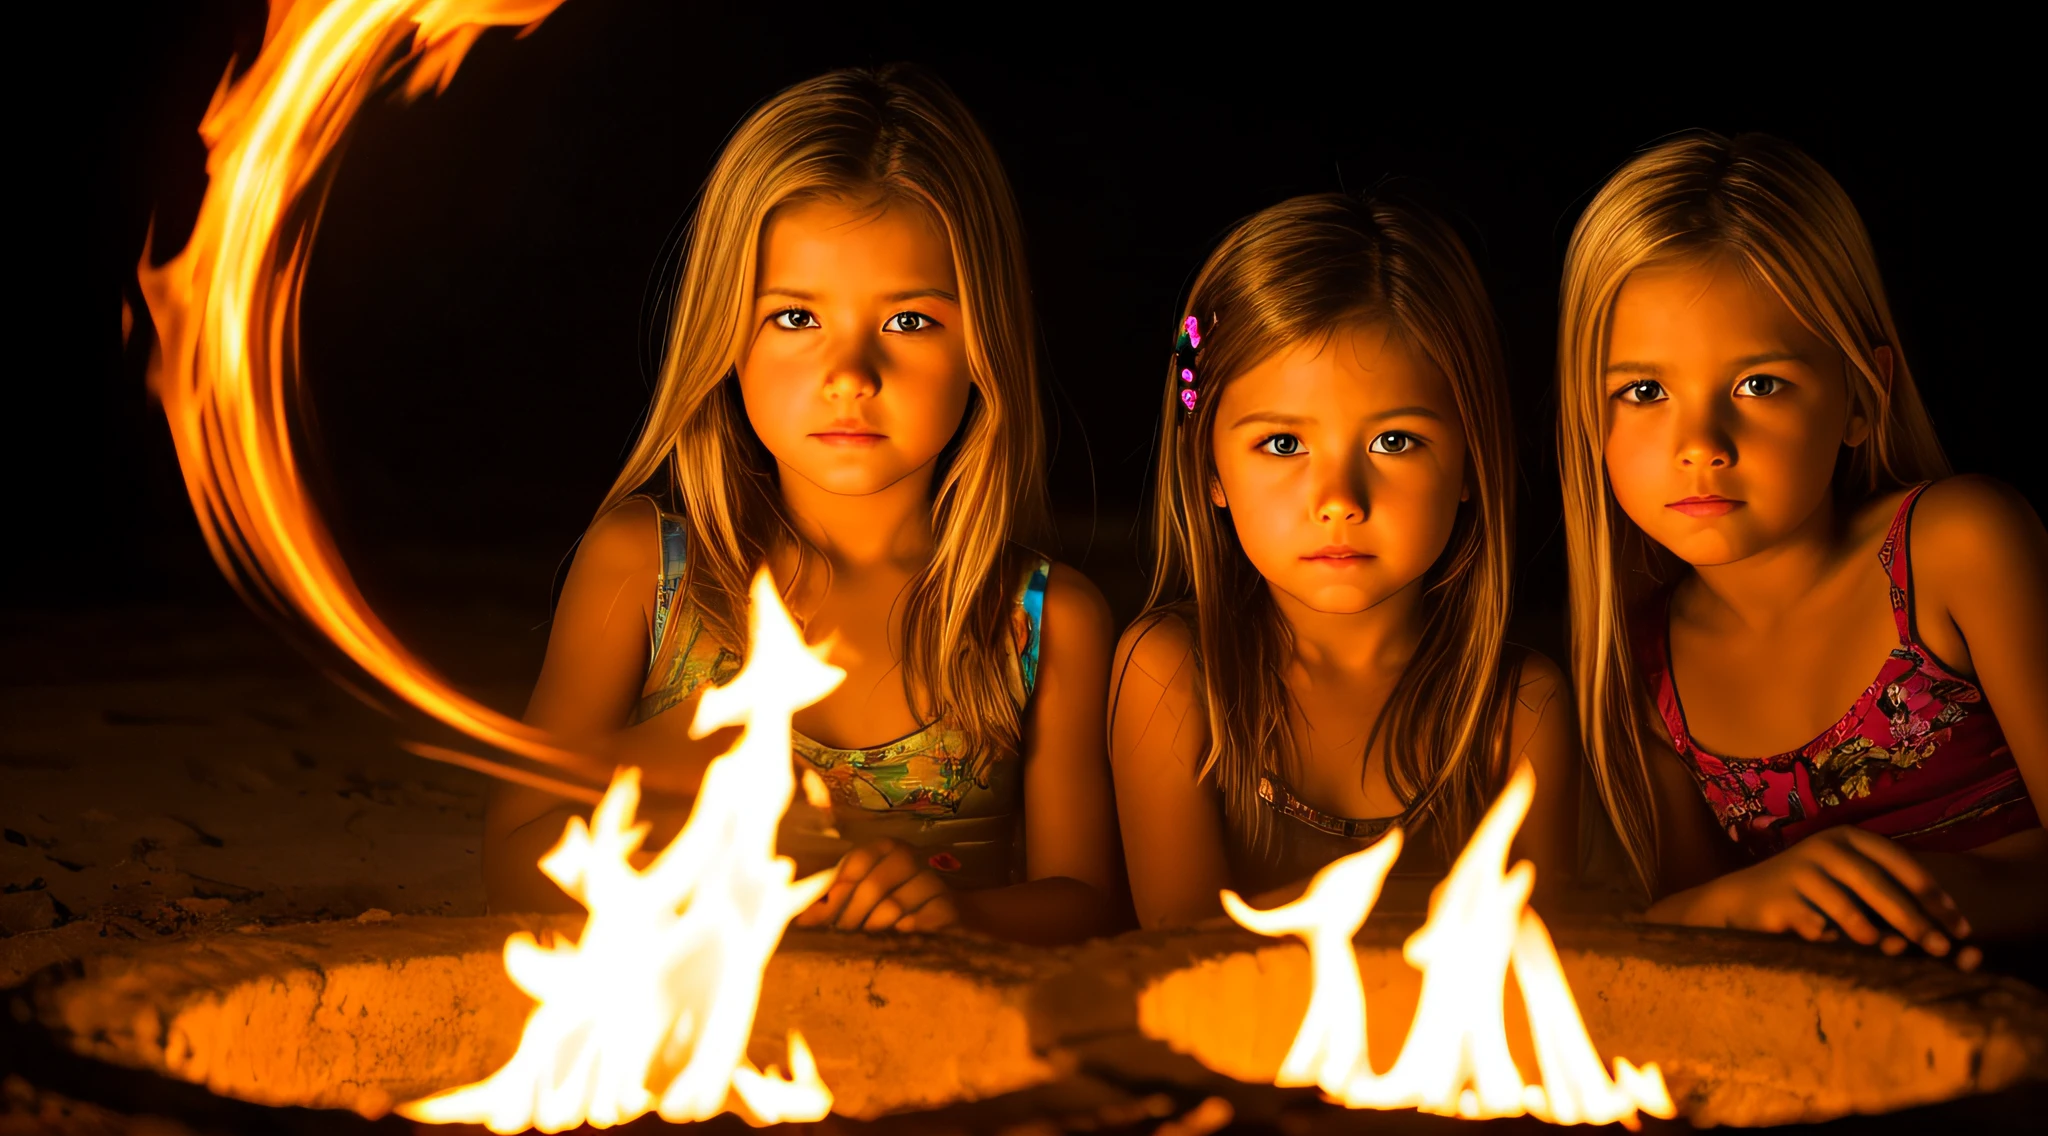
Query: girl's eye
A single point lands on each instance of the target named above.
(909, 321)
(1645, 391)
(794, 319)
(1282, 445)
(1394, 442)
(1758, 386)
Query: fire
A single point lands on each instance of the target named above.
(1455, 1060)
(652, 1008)
(226, 315)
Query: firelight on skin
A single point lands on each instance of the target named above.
(886, 335)
(1725, 420)
(822, 365)
(1342, 464)
(1724, 413)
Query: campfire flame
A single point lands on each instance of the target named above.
(652, 1008)
(226, 315)
(1455, 1061)
(662, 987)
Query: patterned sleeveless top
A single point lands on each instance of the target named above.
(1919, 758)
(963, 810)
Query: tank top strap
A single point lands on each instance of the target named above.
(675, 546)
(1031, 609)
(1896, 556)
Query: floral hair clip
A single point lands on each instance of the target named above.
(1184, 350)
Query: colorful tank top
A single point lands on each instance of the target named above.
(1919, 758)
(962, 809)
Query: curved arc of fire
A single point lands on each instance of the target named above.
(226, 313)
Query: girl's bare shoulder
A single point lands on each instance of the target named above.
(626, 540)
(1157, 663)
(619, 556)
(1159, 646)
(1541, 694)
(1076, 606)
(1543, 725)
(1970, 526)
(1539, 681)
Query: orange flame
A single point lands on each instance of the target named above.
(1455, 1060)
(652, 1008)
(226, 315)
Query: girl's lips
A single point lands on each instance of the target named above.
(1708, 506)
(1337, 554)
(849, 437)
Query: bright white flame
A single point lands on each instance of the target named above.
(1330, 1047)
(652, 1008)
(1455, 1060)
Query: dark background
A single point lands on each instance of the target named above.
(474, 322)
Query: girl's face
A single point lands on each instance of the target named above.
(857, 373)
(1342, 463)
(1724, 413)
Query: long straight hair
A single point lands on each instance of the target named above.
(1766, 207)
(1298, 272)
(889, 133)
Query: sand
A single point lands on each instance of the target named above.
(168, 770)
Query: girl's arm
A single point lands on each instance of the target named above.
(1821, 887)
(1544, 731)
(1073, 890)
(596, 664)
(1980, 558)
(1172, 821)
(1691, 848)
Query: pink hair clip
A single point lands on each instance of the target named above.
(1184, 348)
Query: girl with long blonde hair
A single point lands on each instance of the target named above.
(1759, 515)
(1323, 653)
(850, 396)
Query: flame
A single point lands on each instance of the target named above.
(652, 1008)
(1455, 1060)
(226, 314)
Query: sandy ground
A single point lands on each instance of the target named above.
(166, 770)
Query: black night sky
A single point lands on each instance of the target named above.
(475, 320)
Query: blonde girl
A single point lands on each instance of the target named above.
(850, 396)
(1760, 518)
(1322, 655)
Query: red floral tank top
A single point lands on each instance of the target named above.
(1919, 758)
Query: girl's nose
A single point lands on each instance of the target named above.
(1337, 500)
(848, 383)
(1340, 509)
(1704, 441)
(852, 375)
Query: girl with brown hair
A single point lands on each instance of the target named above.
(1323, 653)
(850, 396)
(1758, 514)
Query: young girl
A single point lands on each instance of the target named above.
(850, 396)
(1322, 655)
(1758, 520)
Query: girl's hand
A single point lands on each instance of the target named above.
(884, 886)
(1830, 882)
